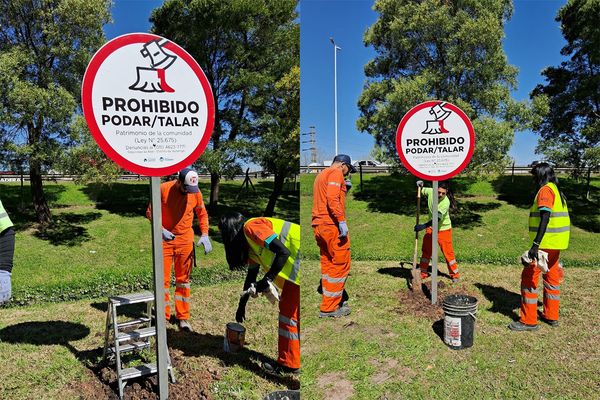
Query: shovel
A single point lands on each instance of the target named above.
(416, 272)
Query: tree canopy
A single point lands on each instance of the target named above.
(444, 50)
(243, 46)
(570, 131)
(44, 49)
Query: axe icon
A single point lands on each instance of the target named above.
(158, 57)
(153, 79)
(437, 125)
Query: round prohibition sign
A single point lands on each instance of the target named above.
(148, 104)
(435, 140)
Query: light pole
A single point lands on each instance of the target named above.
(335, 49)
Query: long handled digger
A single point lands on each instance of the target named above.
(416, 272)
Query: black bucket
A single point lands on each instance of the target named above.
(459, 320)
(283, 395)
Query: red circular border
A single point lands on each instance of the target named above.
(405, 119)
(88, 112)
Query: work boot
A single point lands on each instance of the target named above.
(519, 326)
(184, 325)
(274, 368)
(339, 312)
(551, 322)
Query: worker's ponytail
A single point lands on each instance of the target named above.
(231, 226)
(449, 195)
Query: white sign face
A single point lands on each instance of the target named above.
(148, 104)
(435, 140)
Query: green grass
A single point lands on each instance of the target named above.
(383, 351)
(52, 351)
(490, 227)
(100, 240)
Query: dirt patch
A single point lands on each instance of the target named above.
(389, 368)
(418, 302)
(335, 386)
(191, 384)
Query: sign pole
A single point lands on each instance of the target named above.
(434, 243)
(159, 293)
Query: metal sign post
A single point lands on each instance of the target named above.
(434, 243)
(435, 141)
(159, 293)
(150, 108)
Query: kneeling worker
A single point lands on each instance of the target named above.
(273, 245)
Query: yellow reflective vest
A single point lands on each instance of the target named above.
(559, 227)
(5, 221)
(289, 234)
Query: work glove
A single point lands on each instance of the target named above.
(343, 227)
(420, 227)
(348, 185)
(533, 251)
(5, 286)
(420, 184)
(167, 235)
(240, 314)
(267, 289)
(205, 242)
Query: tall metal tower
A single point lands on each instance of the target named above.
(313, 144)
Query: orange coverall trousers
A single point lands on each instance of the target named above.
(180, 254)
(335, 265)
(289, 326)
(529, 293)
(445, 242)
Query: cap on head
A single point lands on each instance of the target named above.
(345, 159)
(189, 179)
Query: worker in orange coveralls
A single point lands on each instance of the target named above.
(180, 199)
(273, 245)
(331, 233)
(549, 231)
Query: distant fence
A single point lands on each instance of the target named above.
(516, 170)
(17, 177)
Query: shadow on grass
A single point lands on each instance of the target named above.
(65, 229)
(438, 329)
(503, 301)
(19, 206)
(196, 344)
(124, 199)
(396, 194)
(520, 192)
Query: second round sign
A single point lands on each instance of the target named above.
(435, 140)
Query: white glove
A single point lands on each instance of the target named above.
(205, 241)
(420, 183)
(250, 291)
(343, 227)
(5, 286)
(272, 294)
(167, 235)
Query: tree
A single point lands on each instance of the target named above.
(44, 49)
(238, 44)
(571, 130)
(277, 151)
(445, 50)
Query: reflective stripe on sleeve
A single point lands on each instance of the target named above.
(334, 184)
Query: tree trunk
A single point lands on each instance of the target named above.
(215, 179)
(277, 189)
(42, 211)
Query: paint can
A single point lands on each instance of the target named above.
(235, 336)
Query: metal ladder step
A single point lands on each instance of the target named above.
(140, 370)
(124, 348)
(138, 321)
(142, 297)
(137, 334)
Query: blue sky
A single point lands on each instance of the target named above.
(533, 41)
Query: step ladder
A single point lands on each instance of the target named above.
(136, 338)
